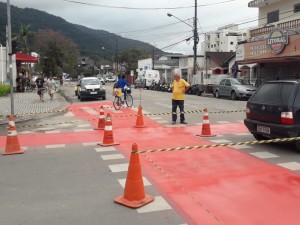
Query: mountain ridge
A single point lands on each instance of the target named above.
(90, 41)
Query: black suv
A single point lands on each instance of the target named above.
(273, 111)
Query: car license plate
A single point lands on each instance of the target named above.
(263, 129)
(93, 92)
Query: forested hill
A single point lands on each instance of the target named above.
(89, 40)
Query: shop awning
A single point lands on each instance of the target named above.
(270, 60)
(26, 58)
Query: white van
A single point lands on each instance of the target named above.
(151, 76)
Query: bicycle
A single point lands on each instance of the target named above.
(29, 87)
(118, 100)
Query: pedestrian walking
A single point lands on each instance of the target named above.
(179, 87)
(40, 85)
(51, 87)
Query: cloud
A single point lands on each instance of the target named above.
(151, 26)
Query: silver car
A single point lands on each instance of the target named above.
(90, 87)
(233, 88)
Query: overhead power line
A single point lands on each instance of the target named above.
(174, 44)
(143, 8)
(186, 39)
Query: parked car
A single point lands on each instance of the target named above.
(274, 111)
(102, 80)
(90, 88)
(233, 88)
(110, 79)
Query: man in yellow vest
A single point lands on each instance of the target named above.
(179, 87)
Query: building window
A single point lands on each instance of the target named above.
(273, 16)
(297, 8)
(231, 43)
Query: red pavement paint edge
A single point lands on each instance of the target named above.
(182, 204)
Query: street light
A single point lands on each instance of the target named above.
(195, 32)
(170, 15)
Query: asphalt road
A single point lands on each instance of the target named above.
(29, 182)
(221, 111)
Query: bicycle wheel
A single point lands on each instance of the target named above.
(129, 100)
(29, 88)
(117, 103)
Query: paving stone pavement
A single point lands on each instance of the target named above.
(28, 105)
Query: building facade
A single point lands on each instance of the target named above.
(3, 65)
(225, 39)
(274, 46)
(165, 65)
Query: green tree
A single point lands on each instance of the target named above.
(52, 61)
(129, 59)
(22, 37)
(57, 53)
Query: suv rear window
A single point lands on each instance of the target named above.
(273, 93)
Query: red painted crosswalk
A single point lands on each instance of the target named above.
(205, 186)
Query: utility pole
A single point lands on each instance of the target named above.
(10, 58)
(117, 57)
(195, 39)
(195, 32)
(153, 59)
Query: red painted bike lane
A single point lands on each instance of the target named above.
(205, 186)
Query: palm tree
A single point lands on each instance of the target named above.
(23, 36)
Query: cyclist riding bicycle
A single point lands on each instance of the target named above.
(122, 83)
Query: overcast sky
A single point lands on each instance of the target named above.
(133, 19)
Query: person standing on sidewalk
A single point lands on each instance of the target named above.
(179, 87)
(51, 87)
(40, 85)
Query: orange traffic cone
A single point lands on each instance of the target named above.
(11, 121)
(12, 142)
(101, 121)
(134, 194)
(206, 126)
(139, 119)
(108, 138)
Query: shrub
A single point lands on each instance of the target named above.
(4, 89)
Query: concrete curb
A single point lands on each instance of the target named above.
(26, 103)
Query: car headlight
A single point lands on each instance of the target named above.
(83, 89)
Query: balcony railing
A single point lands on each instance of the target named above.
(284, 26)
(259, 3)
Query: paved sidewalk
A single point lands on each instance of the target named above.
(27, 105)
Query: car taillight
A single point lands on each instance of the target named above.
(287, 118)
(248, 113)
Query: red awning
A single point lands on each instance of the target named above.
(26, 58)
